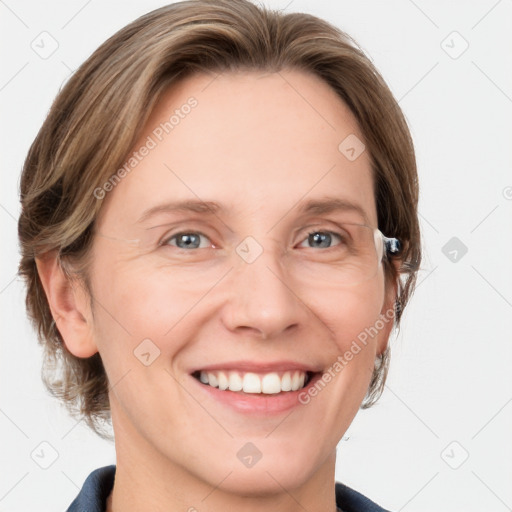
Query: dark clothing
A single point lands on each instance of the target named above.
(98, 485)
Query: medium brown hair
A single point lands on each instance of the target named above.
(100, 112)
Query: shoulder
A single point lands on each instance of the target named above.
(350, 500)
(93, 495)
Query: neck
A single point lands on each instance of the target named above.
(146, 480)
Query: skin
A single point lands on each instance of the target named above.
(252, 140)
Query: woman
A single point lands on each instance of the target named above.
(219, 232)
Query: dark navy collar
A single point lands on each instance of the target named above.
(98, 485)
(95, 491)
(352, 501)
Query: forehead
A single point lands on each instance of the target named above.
(247, 140)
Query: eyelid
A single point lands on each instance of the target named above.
(323, 223)
(325, 226)
(189, 225)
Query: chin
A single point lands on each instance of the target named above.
(277, 469)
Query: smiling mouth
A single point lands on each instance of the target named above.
(269, 383)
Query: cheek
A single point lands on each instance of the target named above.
(352, 317)
(140, 299)
(348, 312)
(137, 302)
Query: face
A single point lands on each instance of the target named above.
(240, 295)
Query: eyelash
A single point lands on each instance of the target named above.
(165, 242)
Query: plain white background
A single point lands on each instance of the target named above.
(439, 439)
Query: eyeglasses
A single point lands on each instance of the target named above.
(354, 254)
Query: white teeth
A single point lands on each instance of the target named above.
(269, 383)
(235, 382)
(286, 382)
(252, 383)
(223, 381)
(212, 380)
(295, 381)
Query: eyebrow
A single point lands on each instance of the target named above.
(189, 205)
(312, 207)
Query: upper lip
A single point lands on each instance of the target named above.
(261, 367)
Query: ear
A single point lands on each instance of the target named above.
(69, 305)
(388, 311)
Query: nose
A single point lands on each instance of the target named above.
(262, 300)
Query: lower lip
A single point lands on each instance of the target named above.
(258, 403)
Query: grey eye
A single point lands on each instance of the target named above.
(189, 240)
(321, 239)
